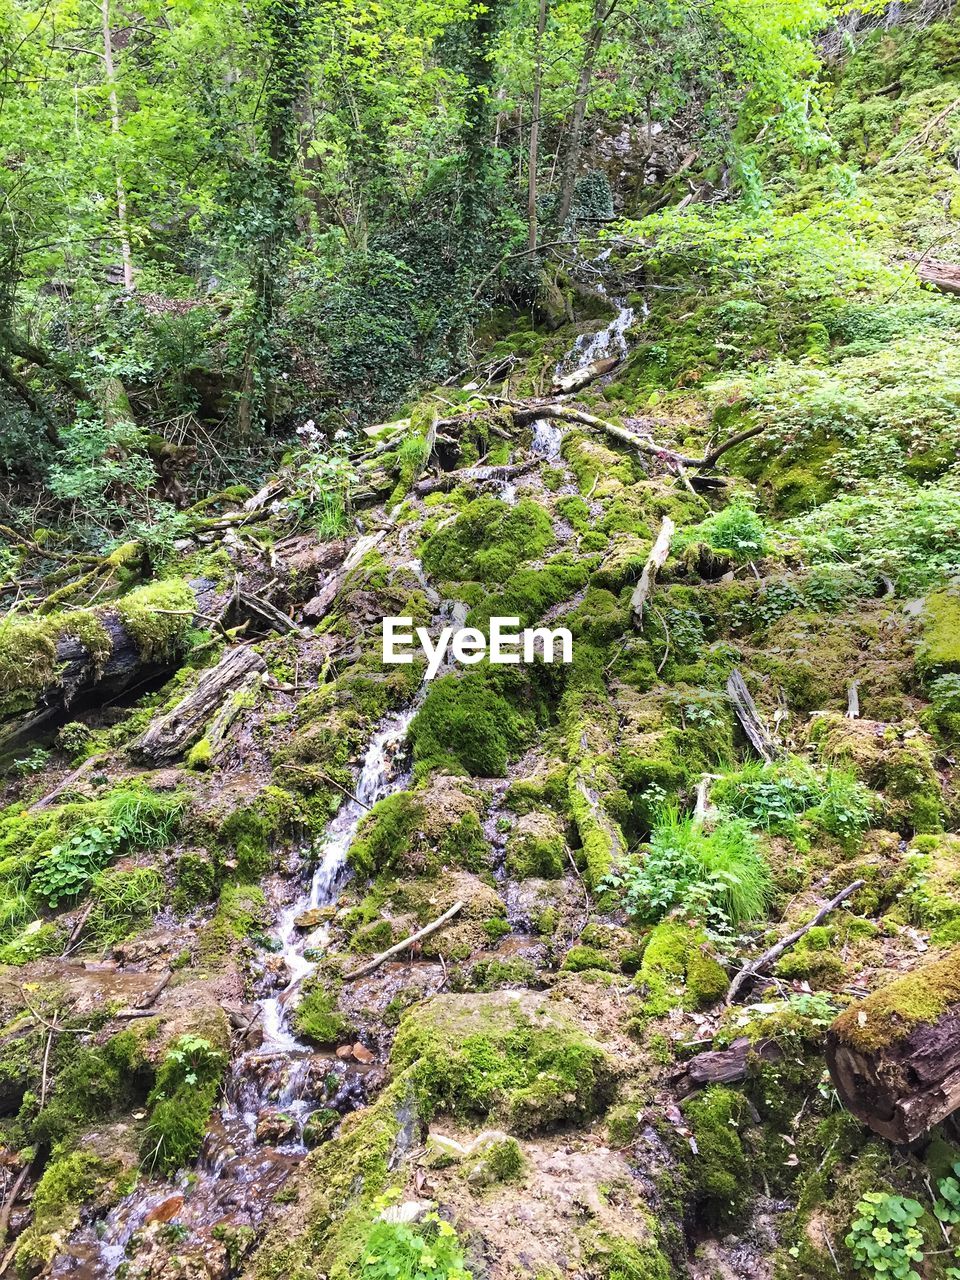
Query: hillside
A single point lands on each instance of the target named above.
(719, 446)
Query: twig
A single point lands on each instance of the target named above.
(7, 1209)
(425, 932)
(333, 782)
(655, 561)
(46, 1062)
(773, 953)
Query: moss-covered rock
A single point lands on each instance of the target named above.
(488, 541)
(939, 650)
(418, 832)
(719, 1171)
(536, 847)
(892, 1012)
(510, 1055)
(679, 968)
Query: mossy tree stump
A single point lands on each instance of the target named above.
(895, 1056)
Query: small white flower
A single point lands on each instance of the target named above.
(341, 434)
(276, 506)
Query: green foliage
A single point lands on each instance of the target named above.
(66, 870)
(737, 530)
(782, 796)
(188, 1081)
(467, 725)
(720, 875)
(884, 1237)
(428, 1251)
(317, 1018)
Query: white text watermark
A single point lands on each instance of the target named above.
(468, 645)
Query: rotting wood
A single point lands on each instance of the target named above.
(759, 735)
(268, 613)
(65, 783)
(894, 1067)
(655, 562)
(167, 738)
(473, 475)
(398, 947)
(756, 967)
(723, 1066)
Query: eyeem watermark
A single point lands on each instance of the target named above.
(505, 644)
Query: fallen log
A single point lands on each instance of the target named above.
(894, 1057)
(756, 967)
(168, 737)
(723, 1066)
(567, 383)
(759, 735)
(655, 562)
(102, 651)
(425, 932)
(940, 275)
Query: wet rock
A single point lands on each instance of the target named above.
(313, 917)
(319, 1125)
(151, 947)
(275, 1127)
(166, 1211)
(362, 1054)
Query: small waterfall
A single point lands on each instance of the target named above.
(610, 341)
(547, 438)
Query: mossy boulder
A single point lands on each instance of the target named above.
(933, 894)
(679, 969)
(536, 847)
(510, 1055)
(488, 541)
(938, 652)
(719, 1171)
(420, 832)
(896, 761)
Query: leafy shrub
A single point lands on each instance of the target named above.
(428, 1251)
(737, 530)
(945, 693)
(777, 797)
(719, 874)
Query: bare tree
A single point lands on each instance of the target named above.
(534, 157)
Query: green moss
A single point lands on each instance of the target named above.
(467, 724)
(488, 541)
(719, 1171)
(159, 616)
(613, 1257)
(341, 1181)
(241, 912)
(536, 847)
(196, 879)
(497, 1161)
(250, 834)
(37, 939)
(420, 832)
(317, 1018)
(891, 1013)
(28, 656)
(71, 1182)
(580, 958)
(939, 649)
(507, 1055)
(181, 1101)
(679, 968)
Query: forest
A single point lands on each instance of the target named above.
(635, 322)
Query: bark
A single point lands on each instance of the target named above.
(115, 130)
(534, 153)
(942, 276)
(746, 710)
(723, 1066)
(894, 1061)
(218, 690)
(472, 475)
(602, 11)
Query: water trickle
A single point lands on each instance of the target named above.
(610, 341)
(547, 438)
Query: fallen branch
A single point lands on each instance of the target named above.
(425, 932)
(66, 782)
(746, 710)
(755, 967)
(523, 413)
(8, 1203)
(853, 700)
(149, 997)
(655, 561)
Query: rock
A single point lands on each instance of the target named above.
(362, 1053)
(345, 1051)
(274, 1127)
(165, 1211)
(314, 916)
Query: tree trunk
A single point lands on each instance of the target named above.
(895, 1056)
(534, 158)
(115, 130)
(602, 10)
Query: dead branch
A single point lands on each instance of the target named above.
(755, 967)
(655, 562)
(425, 932)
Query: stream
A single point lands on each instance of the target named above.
(257, 1137)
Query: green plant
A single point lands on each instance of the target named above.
(736, 530)
(428, 1251)
(719, 874)
(66, 870)
(884, 1237)
(187, 1083)
(35, 761)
